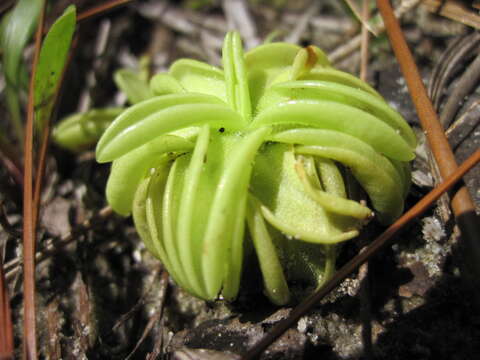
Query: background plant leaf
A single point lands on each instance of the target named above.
(16, 29)
(133, 84)
(53, 56)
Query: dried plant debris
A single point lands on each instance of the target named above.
(455, 90)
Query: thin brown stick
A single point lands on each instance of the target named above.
(6, 326)
(365, 40)
(361, 258)
(462, 203)
(100, 9)
(29, 331)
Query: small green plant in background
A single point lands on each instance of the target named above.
(272, 149)
(15, 32)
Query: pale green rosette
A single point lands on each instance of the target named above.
(267, 150)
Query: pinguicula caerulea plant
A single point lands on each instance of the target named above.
(265, 151)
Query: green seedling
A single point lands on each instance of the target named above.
(16, 29)
(263, 151)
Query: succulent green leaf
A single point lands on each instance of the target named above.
(231, 283)
(323, 114)
(165, 84)
(138, 112)
(340, 77)
(308, 164)
(154, 208)
(189, 243)
(231, 189)
(306, 59)
(81, 131)
(150, 198)
(276, 287)
(374, 172)
(139, 214)
(238, 94)
(129, 170)
(158, 116)
(264, 63)
(330, 176)
(169, 210)
(198, 77)
(330, 202)
(132, 84)
(326, 90)
(287, 206)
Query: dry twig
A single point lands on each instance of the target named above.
(100, 9)
(462, 127)
(455, 10)
(30, 341)
(364, 41)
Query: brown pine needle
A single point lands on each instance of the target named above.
(29, 327)
(365, 40)
(361, 258)
(100, 9)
